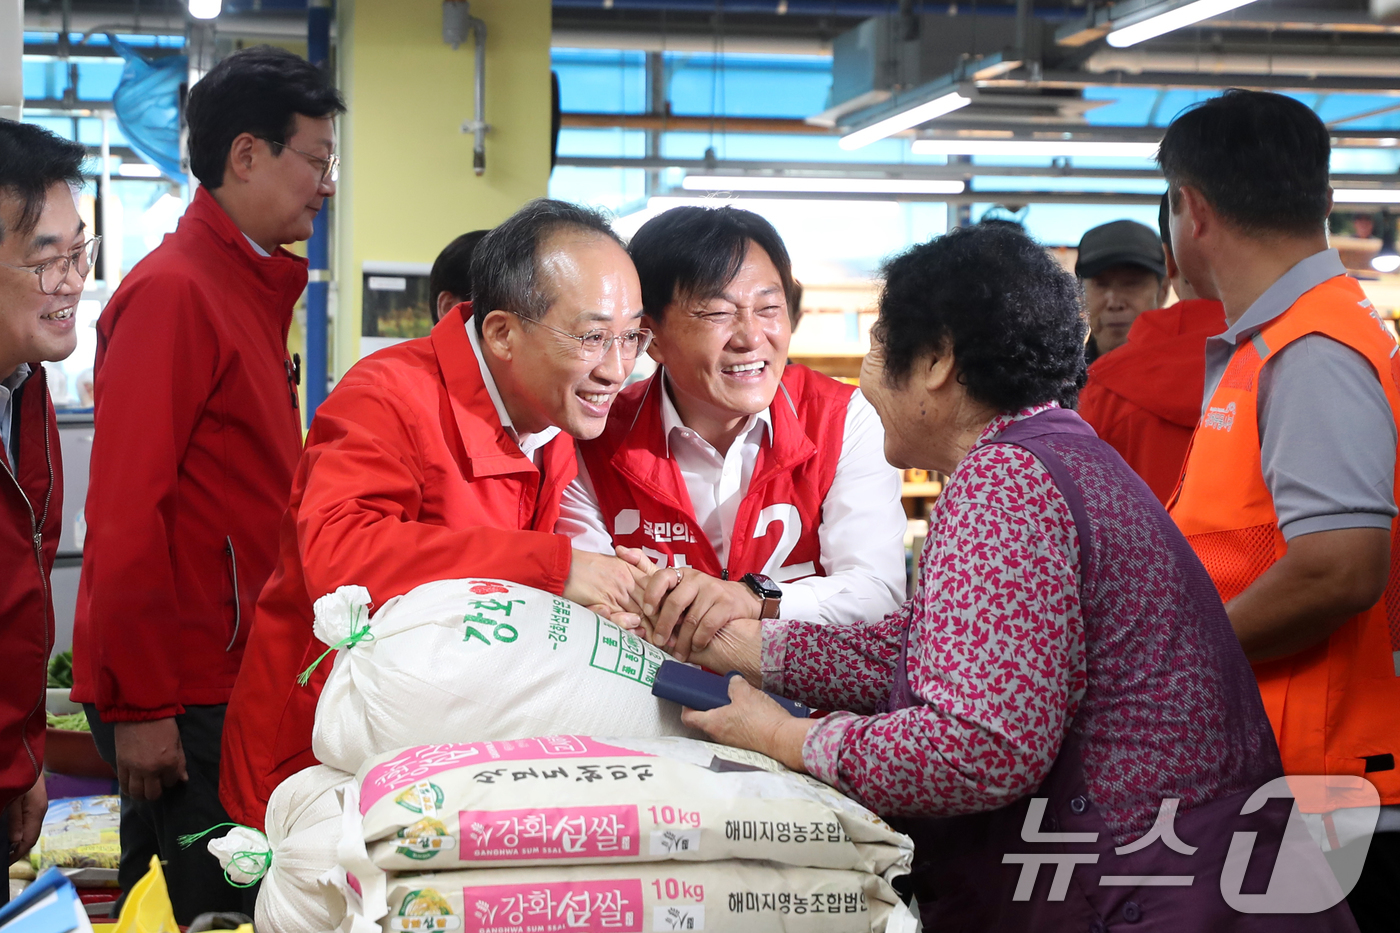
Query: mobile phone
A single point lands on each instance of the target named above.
(699, 689)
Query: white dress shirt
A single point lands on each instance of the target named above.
(530, 445)
(863, 521)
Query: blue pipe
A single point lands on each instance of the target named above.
(318, 50)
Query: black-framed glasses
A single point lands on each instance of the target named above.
(53, 272)
(596, 344)
(330, 165)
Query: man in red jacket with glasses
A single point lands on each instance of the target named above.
(446, 457)
(45, 254)
(197, 434)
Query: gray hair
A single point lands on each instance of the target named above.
(505, 268)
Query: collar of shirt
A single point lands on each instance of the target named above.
(256, 248)
(1280, 296)
(529, 444)
(671, 422)
(1002, 422)
(7, 398)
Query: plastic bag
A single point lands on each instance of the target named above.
(80, 832)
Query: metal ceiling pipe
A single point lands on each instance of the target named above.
(1139, 61)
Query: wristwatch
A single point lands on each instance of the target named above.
(765, 589)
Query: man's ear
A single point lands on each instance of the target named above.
(241, 155)
(498, 334)
(1199, 216)
(446, 301)
(656, 351)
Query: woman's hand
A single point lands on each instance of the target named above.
(738, 646)
(753, 721)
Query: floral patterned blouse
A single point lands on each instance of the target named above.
(996, 652)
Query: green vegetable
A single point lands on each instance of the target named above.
(73, 722)
(61, 670)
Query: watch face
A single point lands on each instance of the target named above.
(763, 586)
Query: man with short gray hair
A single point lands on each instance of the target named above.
(445, 457)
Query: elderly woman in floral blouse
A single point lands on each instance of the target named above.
(1064, 680)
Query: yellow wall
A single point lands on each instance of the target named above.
(407, 186)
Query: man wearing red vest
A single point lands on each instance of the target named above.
(761, 487)
(1289, 489)
(44, 256)
(445, 457)
(1144, 398)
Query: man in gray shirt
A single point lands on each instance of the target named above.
(1295, 522)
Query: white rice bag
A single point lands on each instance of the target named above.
(477, 660)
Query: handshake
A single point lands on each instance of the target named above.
(678, 609)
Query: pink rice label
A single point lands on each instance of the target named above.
(554, 907)
(422, 761)
(550, 832)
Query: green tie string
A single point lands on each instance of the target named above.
(254, 864)
(349, 641)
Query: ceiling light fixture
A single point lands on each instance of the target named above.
(1366, 195)
(205, 9)
(905, 119)
(811, 185)
(1176, 18)
(1045, 148)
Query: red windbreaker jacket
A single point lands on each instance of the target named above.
(408, 477)
(1144, 398)
(197, 434)
(31, 512)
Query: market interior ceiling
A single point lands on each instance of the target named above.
(1017, 71)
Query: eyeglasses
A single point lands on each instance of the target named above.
(53, 273)
(596, 344)
(330, 166)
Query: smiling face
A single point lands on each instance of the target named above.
(36, 327)
(541, 374)
(1115, 297)
(724, 356)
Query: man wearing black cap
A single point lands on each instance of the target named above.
(1145, 399)
(1124, 274)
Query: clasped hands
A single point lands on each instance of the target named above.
(698, 618)
(677, 609)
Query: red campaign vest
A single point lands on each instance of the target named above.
(644, 502)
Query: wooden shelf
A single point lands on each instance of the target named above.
(922, 490)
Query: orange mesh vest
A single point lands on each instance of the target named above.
(1335, 707)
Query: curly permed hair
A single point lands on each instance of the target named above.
(1011, 313)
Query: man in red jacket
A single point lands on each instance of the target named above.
(445, 457)
(197, 434)
(44, 258)
(760, 486)
(1144, 398)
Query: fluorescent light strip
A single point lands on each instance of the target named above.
(905, 120)
(1051, 148)
(1171, 20)
(1366, 195)
(822, 185)
(138, 170)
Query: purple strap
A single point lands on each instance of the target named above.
(1029, 434)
